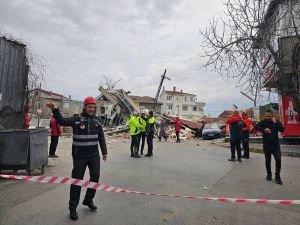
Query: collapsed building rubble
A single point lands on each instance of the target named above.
(190, 128)
(115, 107)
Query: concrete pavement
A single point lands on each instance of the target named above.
(187, 168)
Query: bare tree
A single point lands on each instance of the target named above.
(109, 83)
(237, 44)
(36, 70)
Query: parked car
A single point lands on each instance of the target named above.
(211, 131)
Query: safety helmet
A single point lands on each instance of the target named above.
(89, 100)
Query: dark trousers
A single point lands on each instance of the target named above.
(150, 143)
(134, 145)
(79, 167)
(141, 136)
(235, 144)
(276, 152)
(53, 145)
(177, 136)
(245, 143)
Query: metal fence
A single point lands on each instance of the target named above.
(13, 82)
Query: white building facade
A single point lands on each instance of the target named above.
(181, 104)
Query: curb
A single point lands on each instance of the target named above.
(259, 150)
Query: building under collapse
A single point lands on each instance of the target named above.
(115, 106)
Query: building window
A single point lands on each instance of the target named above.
(66, 105)
(192, 99)
(169, 98)
(102, 110)
(194, 108)
(184, 108)
(185, 99)
(170, 106)
(200, 109)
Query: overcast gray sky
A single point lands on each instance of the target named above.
(133, 40)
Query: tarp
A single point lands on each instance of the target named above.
(13, 82)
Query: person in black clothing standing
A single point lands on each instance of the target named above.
(270, 128)
(236, 131)
(87, 132)
(150, 128)
(245, 136)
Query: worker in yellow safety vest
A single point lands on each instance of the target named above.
(142, 120)
(132, 122)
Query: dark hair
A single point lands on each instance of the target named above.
(269, 111)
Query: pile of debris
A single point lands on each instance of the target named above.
(189, 129)
(115, 107)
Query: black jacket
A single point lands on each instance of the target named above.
(87, 132)
(236, 130)
(270, 138)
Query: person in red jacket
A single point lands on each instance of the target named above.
(177, 129)
(236, 126)
(26, 118)
(55, 133)
(245, 137)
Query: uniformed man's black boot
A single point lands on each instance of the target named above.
(278, 180)
(73, 214)
(90, 204)
(137, 156)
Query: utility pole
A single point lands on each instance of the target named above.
(39, 110)
(163, 77)
(253, 100)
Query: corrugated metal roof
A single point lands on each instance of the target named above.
(144, 99)
(178, 93)
(13, 82)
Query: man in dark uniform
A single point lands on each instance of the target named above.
(142, 135)
(150, 133)
(270, 128)
(87, 132)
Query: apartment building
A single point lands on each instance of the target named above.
(181, 104)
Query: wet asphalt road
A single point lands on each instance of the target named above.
(189, 168)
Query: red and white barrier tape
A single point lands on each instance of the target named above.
(103, 187)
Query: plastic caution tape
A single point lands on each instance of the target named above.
(109, 188)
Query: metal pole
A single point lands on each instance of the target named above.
(39, 105)
(159, 88)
